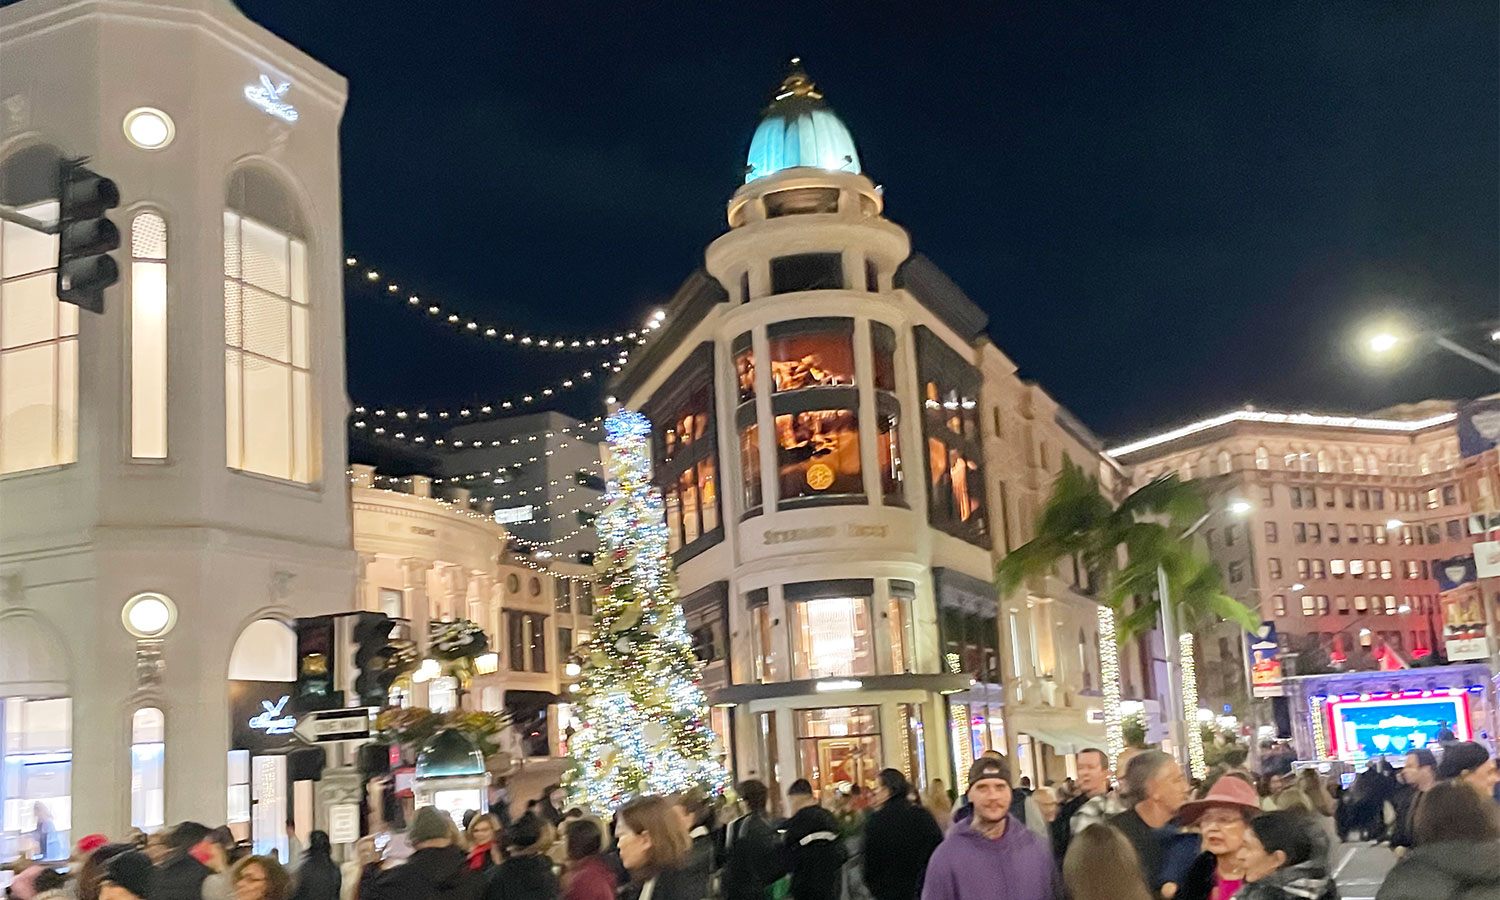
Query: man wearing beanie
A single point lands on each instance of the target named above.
(992, 856)
(129, 876)
(1470, 762)
(436, 869)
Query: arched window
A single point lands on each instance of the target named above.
(148, 336)
(1262, 458)
(147, 769)
(1372, 465)
(38, 333)
(1424, 464)
(267, 331)
(1359, 463)
(1325, 464)
(1224, 462)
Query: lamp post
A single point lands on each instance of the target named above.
(1382, 342)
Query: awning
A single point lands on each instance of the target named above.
(1065, 740)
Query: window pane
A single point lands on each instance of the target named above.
(231, 245)
(809, 360)
(883, 343)
(67, 402)
(268, 418)
(832, 637)
(265, 257)
(27, 413)
(301, 425)
(233, 410)
(687, 486)
(744, 367)
(888, 449)
(818, 453)
(674, 518)
(24, 250)
(708, 494)
(28, 314)
(299, 272)
(267, 325)
(299, 337)
(233, 314)
(750, 466)
(148, 355)
(807, 272)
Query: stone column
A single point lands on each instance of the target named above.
(414, 571)
(362, 598)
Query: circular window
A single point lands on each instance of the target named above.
(149, 129)
(536, 587)
(513, 584)
(149, 615)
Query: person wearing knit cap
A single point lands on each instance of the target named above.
(128, 876)
(992, 856)
(436, 869)
(1472, 763)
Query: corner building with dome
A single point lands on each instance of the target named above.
(822, 400)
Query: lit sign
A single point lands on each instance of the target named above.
(514, 515)
(838, 685)
(1365, 725)
(270, 720)
(267, 96)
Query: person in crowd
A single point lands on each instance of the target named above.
(91, 872)
(1361, 810)
(217, 852)
(158, 845)
(500, 802)
(182, 874)
(1470, 762)
(526, 873)
(697, 817)
(551, 804)
(294, 848)
(810, 844)
(899, 838)
(1457, 849)
(1101, 865)
(129, 876)
(991, 856)
(653, 846)
(1046, 804)
(1107, 804)
(1156, 790)
(260, 878)
(1281, 862)
(1221, 817)
(1023, 805)
(1417, 778)
(587, 876)
(364, 864)
(1445, 733)
(436, 869)
(318, 878)
(752, 861)
(1093, 781)
(484, 838)
(938, 802)
(50, 884)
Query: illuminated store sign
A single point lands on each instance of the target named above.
(270, 720)
(267, 96)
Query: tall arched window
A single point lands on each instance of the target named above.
(1372, 465)
(267, 332)
(147, 769)
(38, 333)
(1225, 462)
(1262, 458)
(1325, 464)
(148, 336)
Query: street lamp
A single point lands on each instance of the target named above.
(1386, 340)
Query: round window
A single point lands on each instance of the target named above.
(149, 615)
(513, 584)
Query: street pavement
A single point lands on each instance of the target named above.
(1358, 869)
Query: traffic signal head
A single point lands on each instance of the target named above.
(85, 237)
(373, 658)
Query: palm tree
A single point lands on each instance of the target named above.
(1124, 548)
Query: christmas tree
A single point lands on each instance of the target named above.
(645, 720)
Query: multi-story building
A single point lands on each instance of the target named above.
(427, 559)
(1332, 527)
(822, 399)
(172, 486)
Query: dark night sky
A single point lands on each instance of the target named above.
(1166, 208)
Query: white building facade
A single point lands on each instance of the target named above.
(172, 487)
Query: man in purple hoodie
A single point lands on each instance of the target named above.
(992, 856)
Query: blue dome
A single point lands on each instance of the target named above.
(798, 129)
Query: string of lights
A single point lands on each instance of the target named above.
(537, 567)
(1197, 762)
(459, 444)
(519, 337)
(462, 510)
(1109, 678)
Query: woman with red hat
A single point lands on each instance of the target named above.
(1221, 817)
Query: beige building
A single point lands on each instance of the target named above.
(1344, 519)
(430, 559)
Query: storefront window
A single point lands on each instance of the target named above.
(687, 452)
(36, 777)
(839, 745)
(883, 345)
(818, 453)
(770, 758)
(744, 367)
(913, 744)
(950, 422)
(147, 776)
(689, 425)
(832, 637)
(903, 643)
(811, 353)
(763, 643)
(750, 467)
(888, 453)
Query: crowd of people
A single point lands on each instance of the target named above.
(1148, 834)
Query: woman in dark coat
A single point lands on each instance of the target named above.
(654, 847)
(1457, 849)
(899, 838)
(318, 878)
(526, 873)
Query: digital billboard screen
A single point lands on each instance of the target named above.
(1377, 725)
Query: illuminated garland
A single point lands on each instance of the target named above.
(645, 720)
(520, 337)
(1197, 764)
(1109, 675)
(424, 415)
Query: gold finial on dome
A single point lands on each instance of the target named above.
(796, 83)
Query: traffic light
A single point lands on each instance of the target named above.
(85, 237)
(373, 658)
(315, 666)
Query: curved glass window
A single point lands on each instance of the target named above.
(818, 453)
(950, 423)
(148, 336)
(686, 458)
(811, 353)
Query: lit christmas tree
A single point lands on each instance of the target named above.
(645, 720)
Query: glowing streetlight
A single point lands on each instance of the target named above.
(1393, 524)
(1240, 507)
(1384, 342)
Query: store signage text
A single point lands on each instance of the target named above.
(515, 514)
(267, 97)
(791, 535)
(270, 720)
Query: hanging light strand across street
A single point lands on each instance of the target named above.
(459, 444)
(519, 337)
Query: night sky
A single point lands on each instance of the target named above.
(1166, 209)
